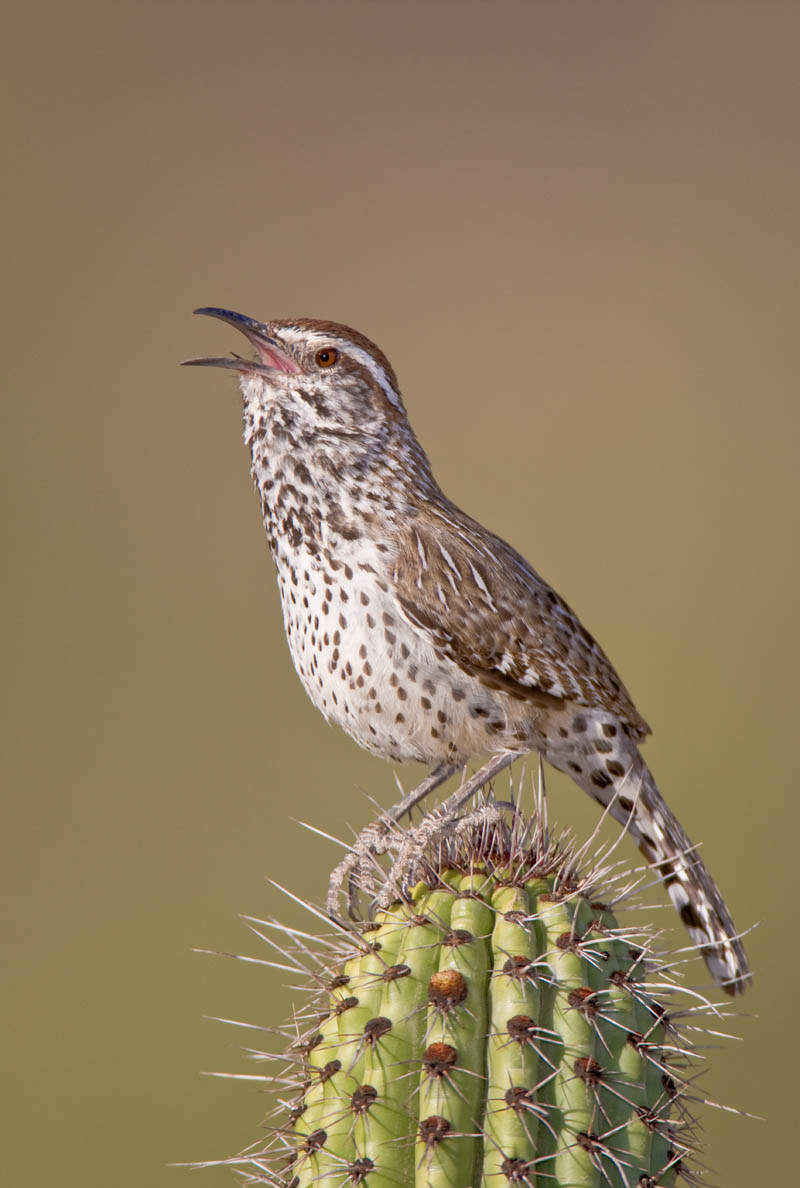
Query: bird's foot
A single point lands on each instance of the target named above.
(435, 828)
(358, 869)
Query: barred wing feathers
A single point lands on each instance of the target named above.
(489, 612)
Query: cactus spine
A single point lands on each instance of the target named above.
(494, 1027)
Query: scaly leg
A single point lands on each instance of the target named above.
(373, 840)
(433, 825)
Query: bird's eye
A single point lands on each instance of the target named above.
(326, 357)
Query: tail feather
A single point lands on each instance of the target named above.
(621, 781)
(692, 890)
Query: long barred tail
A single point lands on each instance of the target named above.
(618, 777)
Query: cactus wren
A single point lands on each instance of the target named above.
(419, 632)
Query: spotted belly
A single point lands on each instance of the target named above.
(370, 671)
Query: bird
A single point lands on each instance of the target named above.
(419, 632)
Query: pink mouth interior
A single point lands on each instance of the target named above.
(275, 358)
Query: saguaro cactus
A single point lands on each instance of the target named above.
(496, 1026)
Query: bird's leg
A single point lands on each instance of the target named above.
(372, 841)
(431, 782)
(432, 826)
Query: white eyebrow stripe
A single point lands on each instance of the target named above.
(375, 370)
(450, 562)
(294, 334)
(481, 584)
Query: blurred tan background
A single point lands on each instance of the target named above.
(574, 230)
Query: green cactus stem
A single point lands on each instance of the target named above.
(494, 1027)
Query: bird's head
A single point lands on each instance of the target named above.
(327, 374)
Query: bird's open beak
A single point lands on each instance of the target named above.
(272, 356)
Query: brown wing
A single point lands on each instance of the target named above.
(490, 613)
